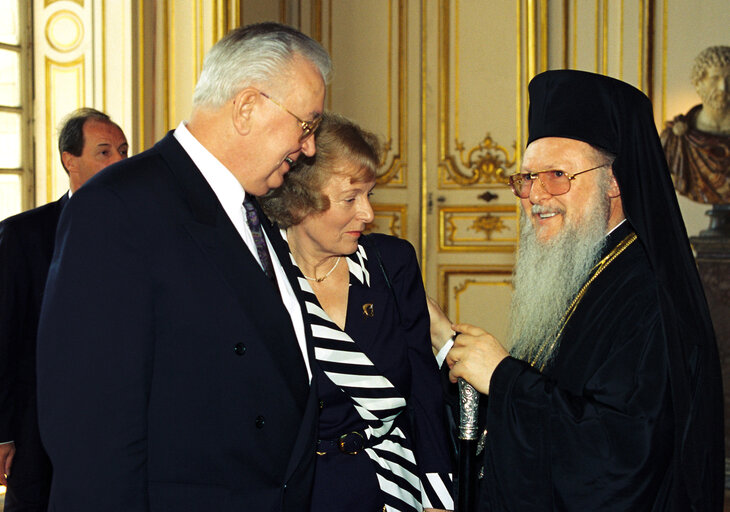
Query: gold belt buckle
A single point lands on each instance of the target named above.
(342, 443)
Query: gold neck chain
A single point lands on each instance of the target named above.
(320, 279)
(597, 269)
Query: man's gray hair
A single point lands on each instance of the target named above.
(713, 56)
(254, 54)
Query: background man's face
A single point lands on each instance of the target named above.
(550, 214)
(104, 144)
(714, 88)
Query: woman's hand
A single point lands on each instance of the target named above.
(474, 356)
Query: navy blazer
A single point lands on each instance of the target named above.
(389, 322)
(26, 249)
(169, 374)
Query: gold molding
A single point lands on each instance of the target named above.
(104, 56)
(621, 43)
(170, 67)
(316, 20)
(76, 66)
(424, 148)
(60, 16)
(485, 221)
(665, 8)
(543, 35)
(446, 272)
(199, 44)
(139, 139)
(395, 215)
(51, 2)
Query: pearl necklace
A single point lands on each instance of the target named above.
(320, 279)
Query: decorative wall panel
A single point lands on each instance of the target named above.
(478, 228)
(390, 219)
(477, 294)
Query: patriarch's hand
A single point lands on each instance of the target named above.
(474, 357)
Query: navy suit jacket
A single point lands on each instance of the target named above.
(169, 374)
(26, 249)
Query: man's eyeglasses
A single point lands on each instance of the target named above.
(554, 182)
(308, 127)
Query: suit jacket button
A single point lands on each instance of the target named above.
(321, 404)
(239, 349)
(260, 422)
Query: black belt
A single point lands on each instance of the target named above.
(351, 443)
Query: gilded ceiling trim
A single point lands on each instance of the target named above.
(487, 162)
(394, 174)
(502, 275)
(52, 70)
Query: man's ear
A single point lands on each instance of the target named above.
(243, 106)
(69, 161)
(613, 190)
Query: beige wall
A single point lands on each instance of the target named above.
(443, 82)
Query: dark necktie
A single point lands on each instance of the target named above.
(252, 218)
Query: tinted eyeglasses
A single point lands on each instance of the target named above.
(308, 127)
(555, 182)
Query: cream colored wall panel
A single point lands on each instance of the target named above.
(114, 77)
(66, 94)
(83, 58)
(477, 100)
(477, 294)
(63, 79)
(370, 82)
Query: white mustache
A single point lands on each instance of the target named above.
(538, 209)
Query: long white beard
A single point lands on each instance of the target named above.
(547, 278)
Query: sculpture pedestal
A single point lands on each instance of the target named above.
(719, 222)
(713, 262)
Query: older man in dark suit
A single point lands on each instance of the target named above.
(88, 142)
(172, 365)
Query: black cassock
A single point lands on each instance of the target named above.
(596, 429)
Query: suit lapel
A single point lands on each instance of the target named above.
(217, 237)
